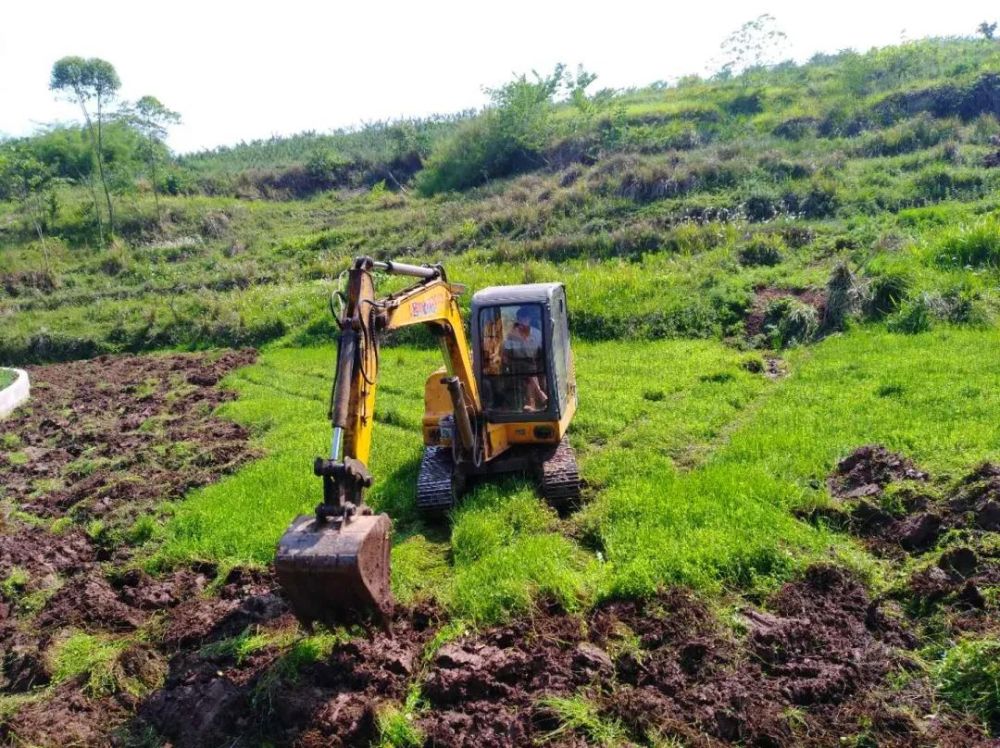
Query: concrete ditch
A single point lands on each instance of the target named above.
(16, 393)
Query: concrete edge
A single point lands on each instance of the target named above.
(15, 394)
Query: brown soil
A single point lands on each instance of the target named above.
(810, 669)
(107, 440)
(951, 533)
(868, 470)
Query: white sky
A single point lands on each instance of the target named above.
(243, 70)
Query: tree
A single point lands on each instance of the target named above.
(755, 44)
(28, 181)
(83, 81)
(987, 29)
(152, 119)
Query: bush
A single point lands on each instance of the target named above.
(937, 183)
(507, 138)
(969, 677)
(914, 317)
(761, 205)
(887, 291)
(788, 321)
(971, 246)
(766, 251)
(913, 135)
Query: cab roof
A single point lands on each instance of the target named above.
(519, 294)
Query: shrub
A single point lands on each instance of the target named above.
(820, 200)
(789, 321)
(939, 182)
(914, 317)
(763, 250)
(507, 138)
(971, 246)
(913, 135)
(969, 677)
(761, 205)
(886, 292)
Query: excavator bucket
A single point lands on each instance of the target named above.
(336, 572)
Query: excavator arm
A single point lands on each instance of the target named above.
(433, 301)
(335, 565)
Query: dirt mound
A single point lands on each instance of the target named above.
(952, 535)
(330, 702)
(868, 470)
(820, 652)
(89, 603)
(68, 718)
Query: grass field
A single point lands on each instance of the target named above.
(6, 377)
(694, 466)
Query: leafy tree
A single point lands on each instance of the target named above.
(755, 44)
(987, 29)
(151, 118)
(84, 81)
(508, 137)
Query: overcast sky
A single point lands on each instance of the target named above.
(244, 70)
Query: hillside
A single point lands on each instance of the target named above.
(683, 201)
(784, 289)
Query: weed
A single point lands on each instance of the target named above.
(95, 659)
(396, 728)
(969, 677)
(976, 245)
(579, 714)
(248, 642)
(15, 583)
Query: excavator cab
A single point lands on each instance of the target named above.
(521, 354)
(527, 390)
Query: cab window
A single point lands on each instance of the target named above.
(513, 359)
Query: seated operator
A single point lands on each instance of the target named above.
(522, 353)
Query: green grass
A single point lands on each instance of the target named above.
(695, 466)
(676, 200)
(7, 377)
(577, 714)
(969, 678)
(95, 659)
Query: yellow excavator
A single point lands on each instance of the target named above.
(505, 408)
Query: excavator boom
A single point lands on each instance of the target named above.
(334, 565)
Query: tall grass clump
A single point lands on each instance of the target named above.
(788, 321)
(969, 678)
(976, 246)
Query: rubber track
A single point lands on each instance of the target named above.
(560, 476)
(434, 486)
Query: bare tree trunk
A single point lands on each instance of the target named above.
(90, 178)
(152, 174)
(100, 167)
